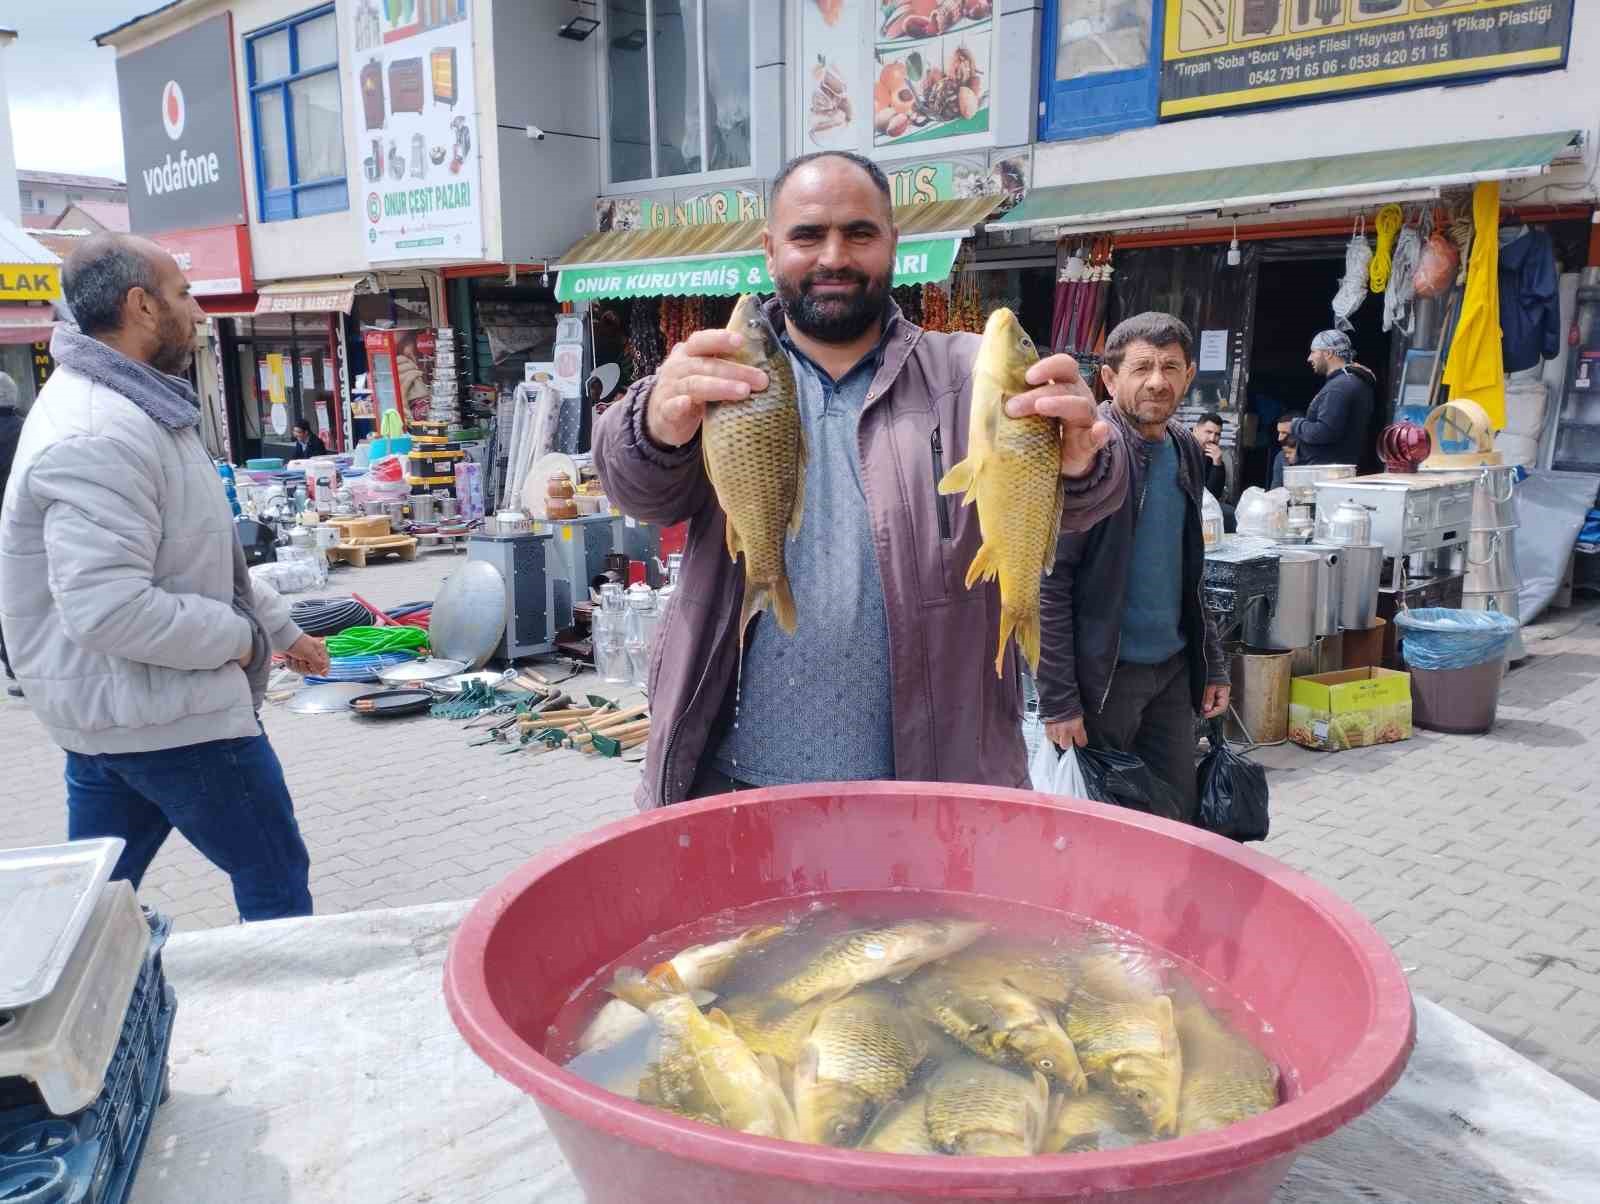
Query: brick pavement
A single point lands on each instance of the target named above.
(1479, 858)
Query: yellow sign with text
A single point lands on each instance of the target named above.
(1228, 54)
(29, 282)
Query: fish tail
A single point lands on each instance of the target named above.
(1008, 624)
(631, 986)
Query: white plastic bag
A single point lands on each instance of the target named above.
(1055, 772)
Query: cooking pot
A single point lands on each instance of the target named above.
(396, 512)
(1344, 524)
(1492, 561)
(1360, 570)
(422, 507)
(1328, 582)
(449, 507)
(1301, 479)
(1294, 621)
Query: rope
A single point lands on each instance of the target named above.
(328, 616)
(358, 668)
(1390, 219)
(1402, 292)
(369, 641)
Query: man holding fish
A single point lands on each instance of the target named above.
(825, 627)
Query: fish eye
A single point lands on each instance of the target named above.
(1046, 1064)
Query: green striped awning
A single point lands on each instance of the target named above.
(1369, 177)
(721, 260)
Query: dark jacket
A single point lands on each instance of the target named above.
(1334, 430)
(313, 447)
(954, 719)
(1082, 600)
(10, 432)
(1216, 481)
(1530, 302)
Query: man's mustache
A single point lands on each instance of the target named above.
(846, 277)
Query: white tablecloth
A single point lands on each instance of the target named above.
(313, 1061)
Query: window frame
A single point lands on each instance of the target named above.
(1138, 87)
(654, 181)
(286, 204)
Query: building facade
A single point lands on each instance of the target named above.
(43, 196)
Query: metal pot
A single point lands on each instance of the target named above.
(422, 507)
(507, 522)
(373, 508)
(1294, 620)
(396, 512)
(1327, 612)
(1492, 504)
(1301, 479)
(1360, 570)
(1492, 561)
(1345, 525)
(449, 507)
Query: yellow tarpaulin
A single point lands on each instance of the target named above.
(1476, 368)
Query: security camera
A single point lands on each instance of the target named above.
(535, 134)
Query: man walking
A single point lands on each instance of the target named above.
(890, 673)
(1334, 430)
(132, 620)
(10, 432)
(1129, 654)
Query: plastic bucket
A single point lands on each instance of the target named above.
(1459, 701)
(1303, 959)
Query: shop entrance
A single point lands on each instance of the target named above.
(1294, 295)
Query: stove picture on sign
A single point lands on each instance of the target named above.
(173, 110)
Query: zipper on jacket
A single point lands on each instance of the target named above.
(941, 501)
(1116, 650)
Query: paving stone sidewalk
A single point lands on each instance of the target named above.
(1479, 858)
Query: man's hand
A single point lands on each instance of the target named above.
(1068, 733)
(1215, 701)
(693, 376)
(308, 655)
(1213, 452)
(1063, 395)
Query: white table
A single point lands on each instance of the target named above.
(313, 1061)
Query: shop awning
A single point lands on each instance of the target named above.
(1371, 177)
(236, 305)
(325, 296)
(23, 323)
(721, 260)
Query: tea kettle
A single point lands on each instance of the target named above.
(1348, 523)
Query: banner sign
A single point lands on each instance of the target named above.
(1226, 56)
(416, 161)
(685, 207)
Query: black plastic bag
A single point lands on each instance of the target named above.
(1233, 791)
(1123, 779)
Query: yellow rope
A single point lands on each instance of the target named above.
(1389, 221)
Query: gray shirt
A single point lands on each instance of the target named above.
(817, 706)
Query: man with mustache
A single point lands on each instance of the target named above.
(889, 674)
(1129, 653)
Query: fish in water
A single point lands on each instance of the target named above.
(978, 1108)
(859, 1057)
(1094, 1121)
(893, 951)
(901, 1128)
(1013, 472)
(704, 967)
(1129, 1048)
(1049, 973)
(773, 1026)
(755, 455)
(999, 1023)
(1225, 1079)
(701, 1068)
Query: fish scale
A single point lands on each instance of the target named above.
(1013, 473)
(1225, 1079)
(755, 456)
(976, 1108)
(857, 958)
(860, 1056)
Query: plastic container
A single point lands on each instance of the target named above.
(1211, 524)
(1262, 515)
(1305, 960)
(1461, 702)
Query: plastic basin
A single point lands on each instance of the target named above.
(1307, 962)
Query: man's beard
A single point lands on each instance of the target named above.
(1148, 409)
(176, 349)
(834, 319)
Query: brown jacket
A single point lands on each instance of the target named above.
(954, 720)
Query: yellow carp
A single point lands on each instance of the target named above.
(976, 1108)
(859, 1057)
(1091, 1122)
(901, 1128)
(704, 967)
(1013, 472)
(1129, 1048)
(854, 959)
(1224, 1078)
(755, 455)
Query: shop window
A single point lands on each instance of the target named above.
(27, 199)
(293, 69)
(678, 79)
(1101, 63)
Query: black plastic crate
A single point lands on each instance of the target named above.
(91, 1156)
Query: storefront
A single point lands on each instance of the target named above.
(30, 285)
(1224, 251)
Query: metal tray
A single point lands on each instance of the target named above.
(409, 673)
(46, 897)
(387, 704)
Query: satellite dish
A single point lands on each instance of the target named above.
(608, 375)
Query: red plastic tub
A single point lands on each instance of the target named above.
(1303, 959)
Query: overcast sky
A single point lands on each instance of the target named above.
(63, 88)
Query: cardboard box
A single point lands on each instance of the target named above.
(1352, 709)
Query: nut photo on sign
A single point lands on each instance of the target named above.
(913, 93)
(929, 18)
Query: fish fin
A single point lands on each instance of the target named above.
(783, 607)
(1008, 625)
(757, 937)
(730, 536)
(961, 479)
(720, 1018)
(665, 978)
(1027, 633)
(802, 454)
(632, 986)
(1055, 530)
(805, 1066)
(985, 564)
(770, 1067)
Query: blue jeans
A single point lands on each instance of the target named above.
(228, 797)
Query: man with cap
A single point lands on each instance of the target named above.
(1334, 430)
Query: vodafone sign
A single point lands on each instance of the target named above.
(180, 133)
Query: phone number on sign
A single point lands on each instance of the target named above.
(1355, 64)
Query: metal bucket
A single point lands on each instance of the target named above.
(1260, 696)
(396, 512)
(1328, 583)
(422, 507)
(1294, 621)
(374, 507)
(1326, 655)
(1492, 505)
(1360, 570)
(449, 508)
(1492, 561)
